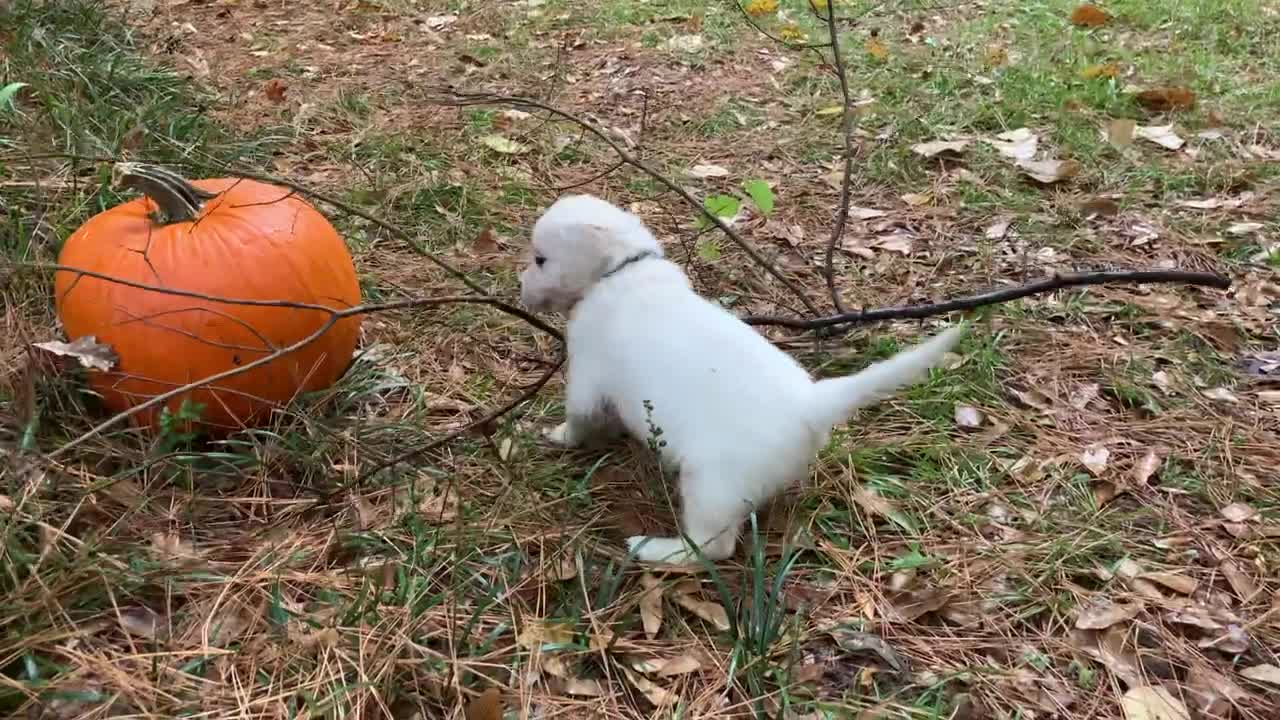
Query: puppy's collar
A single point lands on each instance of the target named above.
(645, 255)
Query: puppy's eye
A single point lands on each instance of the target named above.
(538, 260)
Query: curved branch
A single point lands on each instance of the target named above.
(781, 41)
(456, 99)
(846, 129)
(490, 300)
(334, 316)
(993, 297)
(528, 392)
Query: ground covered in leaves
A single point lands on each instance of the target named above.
(1077, 517)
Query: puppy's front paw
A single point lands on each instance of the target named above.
(559, 435)
(671, 551)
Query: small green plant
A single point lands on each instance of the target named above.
(174, 432)
(8, 97)
(654, 441)
(727, 206)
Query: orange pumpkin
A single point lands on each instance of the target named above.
(224, 237)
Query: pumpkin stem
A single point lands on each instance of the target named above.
(176, 199)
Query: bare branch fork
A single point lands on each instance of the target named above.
(453, 98)
(1057, 281)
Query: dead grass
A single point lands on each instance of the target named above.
(1111, 524)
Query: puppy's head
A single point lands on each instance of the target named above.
(575, 242)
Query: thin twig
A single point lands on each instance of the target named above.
(846, 129)
(311, 193)
(992, 297)
(574, 186)
(334, 316)
(781, 41)
(457, 99)
(490, 300)
(526, 393)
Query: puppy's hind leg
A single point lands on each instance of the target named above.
(713, 515)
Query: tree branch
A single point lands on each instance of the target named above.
(327, 199)
(526, 393)
(781, 41)
(457, 99)
(992, 297)
(846, 129)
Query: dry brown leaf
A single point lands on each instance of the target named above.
(1162, 135)
(678, 665)
(439, 509)
(555, 666)
(1101, 70)
(321, 639)
(1244, 228)
(1094, 458)
(899, 242)
(651, 605)
(965, 613)
(1145, 468)
(1265, 672)
(1220, 394)
(874, 503)
(275, 90)
(1121, 131)
(485, 244)
(538, 633)
(1104, 492)
(1239, 581)
(172, 547)
(1148, 702)
(1049, 171)
(1213, 694)
(998, 228)
(1019, 144)
(808, 674)
(1103, 613)
(1164, 99)
(1083, 395)
(564, 567)
(937, 147)
(143, 622)
(908, 606)
(1099, 207)
(1090, 16)
(995, 56)
(1109, 647)
(875, 47)
(1233, 640)
(584, 687)
(1198, 616)
(485, 706)
(1173, 581)
(708, 171)
(712, 612)
(653, 692)
(858, 641)
(862, 213)
(1238, 512)
(366, 517)
(968, 417)
(86, 349)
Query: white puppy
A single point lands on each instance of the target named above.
(740, 418)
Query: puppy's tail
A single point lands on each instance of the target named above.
(835, 399)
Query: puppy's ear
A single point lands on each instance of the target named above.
(604, 247)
